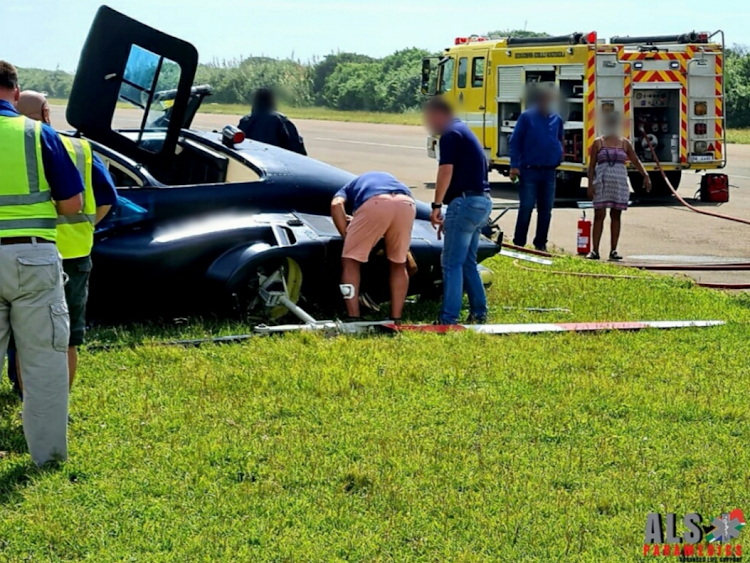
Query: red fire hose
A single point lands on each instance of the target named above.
(527, 250)
(702, 212)
(679, 197)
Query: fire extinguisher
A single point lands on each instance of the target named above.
(584, 235)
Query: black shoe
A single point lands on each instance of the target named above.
(614, 256)
(541, 248)
(593, 255)
(472, 320)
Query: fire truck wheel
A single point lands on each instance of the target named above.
(636, 181)
(568, 186)
(659, 186)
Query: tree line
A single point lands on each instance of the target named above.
(352, 81)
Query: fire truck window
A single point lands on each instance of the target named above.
(446, 76)
(463, 71)
(477, 73)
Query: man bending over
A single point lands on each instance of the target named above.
(383, 207)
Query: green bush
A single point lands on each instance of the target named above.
(55, 83)
(737, 87)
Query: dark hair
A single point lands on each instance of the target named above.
(438, 105)
(8, 76)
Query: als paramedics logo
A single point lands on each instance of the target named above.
(689, 546)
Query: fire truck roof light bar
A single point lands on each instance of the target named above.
(470, 39)
(692, 37)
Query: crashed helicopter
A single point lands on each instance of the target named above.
(207, 220)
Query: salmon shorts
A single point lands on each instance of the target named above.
(389, 216)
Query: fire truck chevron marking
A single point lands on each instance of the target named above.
(627, 106)
(590, 101)
(719, 108)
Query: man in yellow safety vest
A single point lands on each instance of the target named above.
(38, 182)
(75, 232)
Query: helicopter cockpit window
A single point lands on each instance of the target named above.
(148, 86)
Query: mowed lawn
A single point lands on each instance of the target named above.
(409, 448)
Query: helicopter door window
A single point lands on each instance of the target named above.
(147, 91)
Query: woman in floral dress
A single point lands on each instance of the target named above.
(608, 181)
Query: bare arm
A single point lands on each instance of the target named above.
(634, 160)
(101, 212)
(70, 206)
(592, 161)
(444, 177)
(338, 214)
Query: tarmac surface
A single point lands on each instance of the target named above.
(659, 232)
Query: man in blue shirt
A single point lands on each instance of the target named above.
(536, 150)
(463, 185)
(32, 298)
(382, 207)
(77, 267)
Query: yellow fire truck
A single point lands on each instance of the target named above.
(669, 88)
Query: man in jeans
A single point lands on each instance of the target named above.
(462, 184)
(536, 151)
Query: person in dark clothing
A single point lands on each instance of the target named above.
(536, 150)
(462, 186)
(266, 125)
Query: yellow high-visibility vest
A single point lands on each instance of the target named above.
(26, 206)
(75, 233)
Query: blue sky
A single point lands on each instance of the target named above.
(50, 33)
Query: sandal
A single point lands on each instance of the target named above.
(614, 256)
(593, 255)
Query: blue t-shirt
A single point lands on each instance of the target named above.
(537, 140)
(62, 175)
(460, 147)
(369, 185)
(105, 192)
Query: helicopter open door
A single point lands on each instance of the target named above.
(125, 63)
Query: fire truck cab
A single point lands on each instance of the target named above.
(668, 89)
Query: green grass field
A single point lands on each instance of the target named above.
(738, 136)
(410, 448)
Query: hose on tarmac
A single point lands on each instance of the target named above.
(679, 197)
(731, 286)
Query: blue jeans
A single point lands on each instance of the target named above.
(536, 188)
(464, 220)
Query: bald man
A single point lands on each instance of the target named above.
(34, 106)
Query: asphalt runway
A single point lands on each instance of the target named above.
(664, 232)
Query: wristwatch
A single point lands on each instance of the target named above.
(437, 205)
